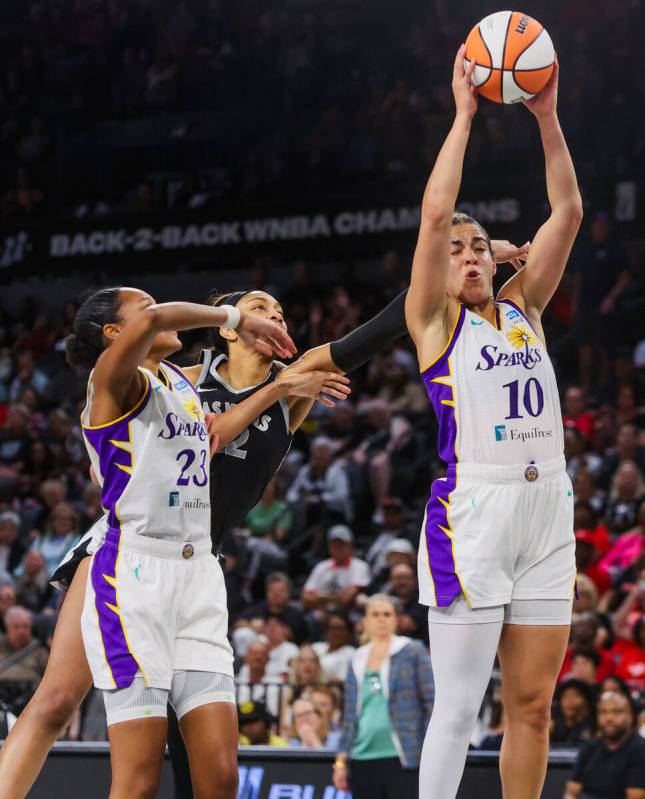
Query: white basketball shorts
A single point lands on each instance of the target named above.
(497, 533)
(155, 607)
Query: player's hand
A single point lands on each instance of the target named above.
(265, 336)
(506, 252)
(213, 437)
(465, 93)
(545, 103)
(316, 385)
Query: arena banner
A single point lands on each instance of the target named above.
(171, 238)
(81, 770)
(131, 240)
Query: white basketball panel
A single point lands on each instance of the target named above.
(538, 55)
(493, 31)
(511, 92)
(480, 74)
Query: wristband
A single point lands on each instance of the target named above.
(233, 316)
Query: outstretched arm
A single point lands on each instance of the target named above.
(534, 286)
(118, 383)
(427, 302)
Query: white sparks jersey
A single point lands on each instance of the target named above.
(153, 463)
(494, 392)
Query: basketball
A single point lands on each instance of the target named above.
(514, 56)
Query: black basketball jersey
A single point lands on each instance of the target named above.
(240, 473)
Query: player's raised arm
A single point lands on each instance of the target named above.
(427, 302)
(117, 382)
(534, 286)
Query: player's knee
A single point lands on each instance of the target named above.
(222, 782)
(458, 719)
(55, 708)
(531, 709)
(142, 784)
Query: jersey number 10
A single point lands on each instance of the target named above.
(532, 398)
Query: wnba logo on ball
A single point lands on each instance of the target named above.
(523, 24)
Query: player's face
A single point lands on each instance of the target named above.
(470, 277)
(134, 301)
(262, 304)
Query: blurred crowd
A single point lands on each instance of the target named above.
(339, 523)
(295, 98)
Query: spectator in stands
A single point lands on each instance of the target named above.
(413, 617)
(585, 490)
(253, 682)
(305, 672)
(587, 557)
(627, 490)
(577, 457)
(388, 701)
(27, 375)
(309, 728)
(587, 595)
(627, 548)
(281, 649)
(337, 580)
(612, 765)
(277, 587)
(335, 652)
(627, 449)
(584, 666)
(60, 536)
(393, 526)
(325, 699)
(14, 441)
(19, 637)
(255, 725)
(584, 637)
(7, 600)
(320, 493)
(398, 552)
(11, 548)
(32, 585)
(572, 717)
(576, 413)
(268, 523)
(629, 654)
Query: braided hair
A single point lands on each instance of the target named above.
(84, 346)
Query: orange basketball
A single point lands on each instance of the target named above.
(514, 56)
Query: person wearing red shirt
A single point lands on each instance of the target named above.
(576, 413)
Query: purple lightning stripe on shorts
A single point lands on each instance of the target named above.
(438, 383)
(119, 658)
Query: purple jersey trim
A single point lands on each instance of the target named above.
(437, 529)
(121, 661)
(183, 376)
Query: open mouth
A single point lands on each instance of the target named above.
(473, 274)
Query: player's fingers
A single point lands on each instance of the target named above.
(470, 69)
(323, 400)
(214, 438)
(336, 378)
(458, 69)
(263, 348)
(334, 393)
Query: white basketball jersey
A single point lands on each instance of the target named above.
(153, 462)
(494, 392)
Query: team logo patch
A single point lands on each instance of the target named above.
(188, 551)
(181, 384)
(520, 337)
(531, 473)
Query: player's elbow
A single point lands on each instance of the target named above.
(436, 214)
(571, 211)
